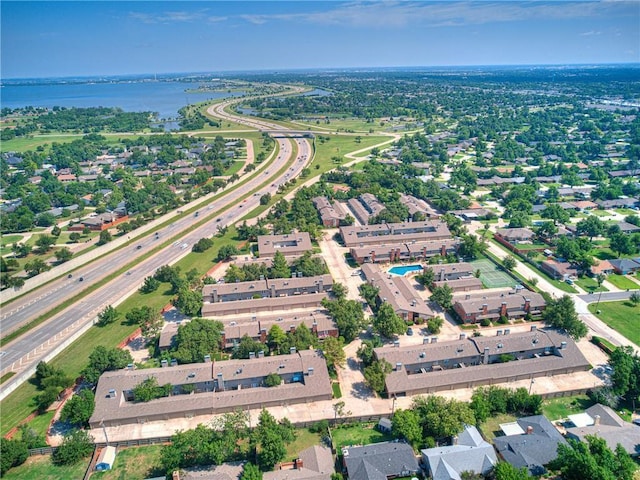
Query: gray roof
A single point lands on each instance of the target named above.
(317, 464)
(531, 450)
(380, 460)
(471, 453)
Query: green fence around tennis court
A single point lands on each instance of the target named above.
(490, 276)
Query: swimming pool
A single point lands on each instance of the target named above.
(404, 269)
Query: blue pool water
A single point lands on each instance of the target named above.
(404, 269)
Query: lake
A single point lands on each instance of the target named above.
(164, 98)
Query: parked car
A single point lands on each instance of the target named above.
(410, 331)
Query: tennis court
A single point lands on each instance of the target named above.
(490, 276)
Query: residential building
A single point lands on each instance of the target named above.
(399, 293)
(104, 221)
(624, 266)
(601, 421)
(380, 461)
(313, 463)
(398, 252)
(292, 244)
(406, 232)
(365, 207)
(618, 203)
(530, 442)
(211, 388)
(603, 267)
(468, 453)
(559, 270)
(516, 235)
(331, 214)
(472, 362)
(492, 306)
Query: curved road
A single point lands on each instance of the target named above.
(46, 340)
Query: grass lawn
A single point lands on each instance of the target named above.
(590, 284)
(304, 439)
(135, 463)
(337, 393)
(338, 146)
(491, 427)
(559, 408)
(622, 282)
(39, 467)
(622, 316)
(40, 423)
(359, 434)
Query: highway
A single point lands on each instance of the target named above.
(23, 354)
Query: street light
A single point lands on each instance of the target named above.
(533, 380)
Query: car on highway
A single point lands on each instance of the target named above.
(138, 247)
(81, 279)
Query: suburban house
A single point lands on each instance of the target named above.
(399, 293)
(313, 463)
(623, 266)
(559, 270)
(516, 235)
(601, 421)
(468, 453)
(493, 306)
(471, 362)
(385, 233)
(530, 442)
(331, 214)
(211, 388)
(264, 295)
(602, 267)
(380, 461)
(626, 227)
(618, 203)
(470, 214)
(100, 222)
(290, 245)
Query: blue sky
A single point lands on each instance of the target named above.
(42, 39)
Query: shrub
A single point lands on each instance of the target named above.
(485, 322)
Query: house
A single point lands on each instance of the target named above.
(584, 205)
(290, 245)
(558, 270)
(380, 461)
(601, 421)
(471, 362)
(106, 458)
(617, 203)
(211, 388)
(623, 266)
(516, 235)
(104, 221)
(492, 306)
(626, 227)
(399, 293)
(530, 442)
(313, 463)
(603, 267)
(468, 453)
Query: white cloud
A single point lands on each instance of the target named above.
(169, 17)
(590, 33)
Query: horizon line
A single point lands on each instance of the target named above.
(329, 69)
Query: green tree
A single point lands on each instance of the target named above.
(509, 262)
(276, 338)
(105, 237)
(441, 417)
(202, 245)
(12, 454)
(151, 284)
(443, 296)
(74, 237)
(426, 278)
(272, 380)
(339, 290)
(45, 242)
(471, 247)
(348, 316)
(103, 359)
(506, 471)
(561, 313)
(434, 325)
(76, 445)
(246, 346)
(226, 252)
(333, 351)
(387, 322)
(149, 389)
(272, 450)
(31, 438)
(149, 320)
(251, 472)
(188, 301)
(556, 213)
(406, 424)
(197, 338)
(591, 226)
(376, 374)
(79, 408)
(36, 267)
(280, 267)
(63, 255)
(107, 316)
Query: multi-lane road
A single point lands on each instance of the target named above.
(43, 342)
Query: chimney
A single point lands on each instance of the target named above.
(462, 336)
(310, 371)
(130, 366)
(563, 345)
(292, 350)
(174, 362)
(529, 430)
(292, 328)
(164, 363)
(425, 340)
(596, 420)
(263, 335)
(214, 293)
(534, 328)
(485, 308)
(467, 297)
(220, 382)
(398, 366)
(443, 250)
(396, 343)
(314, 327)
(498, 333)
(298, 463)
(527, 304)
(454, 440)
(252, 355)
(507, 331)
(434, 339)
(272, 293)
(503, 309)
(485, 356)
(261, 354)
(207, 358)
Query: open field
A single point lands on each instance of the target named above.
(135, 463)
(621, 316)
(40, 468)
